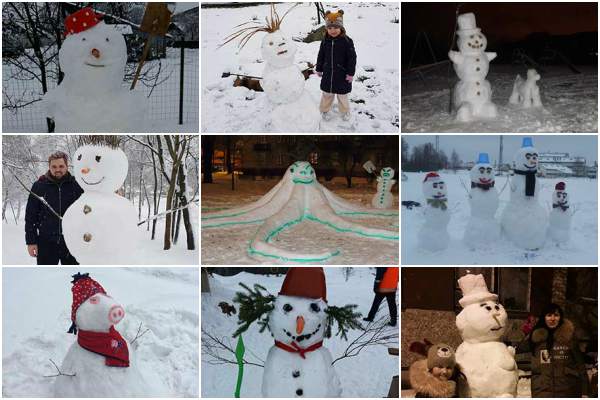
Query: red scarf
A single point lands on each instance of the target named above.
(111, 345)
(294, 348)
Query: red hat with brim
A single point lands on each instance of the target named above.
(560, 186)
(81, 20)
(305, 282)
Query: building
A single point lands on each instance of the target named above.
(561, 164)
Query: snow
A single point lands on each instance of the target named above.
(374, 98)
(219, 380)
(582, 249)
(570, 102)
(36, 313)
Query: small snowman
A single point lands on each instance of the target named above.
(482, 229)
(384, 197)
(524, 220)
(101, 226)
(472, 93)
(488, 364)
(91, 97)
(560, 217)
(298, 365)
(433, 235)
(100, 362)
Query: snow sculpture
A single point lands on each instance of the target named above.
(384, 197)
(524, 220)
(482, 229)
(91, 97)
(298, 365)
(472, 93)
(100, 363)
(433, 235)
(526, 93)
(296, 198)
(101, 226)
(294, 109)
(488, 364)
(560, 217)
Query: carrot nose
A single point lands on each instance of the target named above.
(299, 324)
(85, 170)
(96, 53)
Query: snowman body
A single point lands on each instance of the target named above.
(299, 321)
(91, 98)
(384, 197)
(472, 93)
(524, 221)
(293, 108)
(559, 226)
(482, 228)
(101, 226)
(93, 378)
(433, 235)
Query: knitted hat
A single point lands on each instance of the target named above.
(560, 186)
(431, 176)
(83, 288)
(334, 18)
(440, 355)
(305, 282)
(474, 290)
(81, 20)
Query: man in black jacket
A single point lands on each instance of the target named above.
(43, 229)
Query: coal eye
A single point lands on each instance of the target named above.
(287, 307)
(314, 307)
(98, 158)
(488, 308)
(107, 39)
(482, 170)
(83, 39)
(497, 308)
(292, 170)
(270, 43)
(79, 157)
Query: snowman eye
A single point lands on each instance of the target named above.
(292, 170)
(287, 307)
(83, 39)
(98, 158)
(497, 308)
(79, 157)
(472, 36)
(488, 308)
(314, 307)
(481, 170)
(270, 43)
(107, 39)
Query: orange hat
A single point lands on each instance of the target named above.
(305, 282)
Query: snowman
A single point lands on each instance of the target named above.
(298, 365)
(100, 362)
(560, 217)
(524, 220)
(488, 364)
(472, 93)
(433, 235)
(482, 229)
(384, 197)
(101, 226)
(91, 97)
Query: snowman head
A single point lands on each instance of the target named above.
(526, 158)
(484, 321)
(434, 187)
(92, 50)
(98, 313)
(278, 49)
(560, 196)
(298, 319)
(100, 168)
(301, 172)
(387, 173)
(482, 172)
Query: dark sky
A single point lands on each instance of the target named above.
(500, 22)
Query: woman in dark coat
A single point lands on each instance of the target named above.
(336, 64)
(557, 367)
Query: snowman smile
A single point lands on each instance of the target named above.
(438, 196)
(483, 180)
(529, 167)
(300, 338)
(95, 65)
(496, 329)
(281, 52)
(92, 183)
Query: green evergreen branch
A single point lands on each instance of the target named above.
(253, 306)
(345, 317)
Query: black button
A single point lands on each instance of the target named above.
(296, 374)
(299, 392)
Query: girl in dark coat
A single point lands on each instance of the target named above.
(336, 64)
(557, 367)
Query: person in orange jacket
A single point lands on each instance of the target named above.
(386, 283)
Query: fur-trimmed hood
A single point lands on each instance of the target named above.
(563, 334)
(424, 382)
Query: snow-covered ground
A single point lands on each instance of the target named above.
(582, 248)
(374, 97)
(367, 375)
(36, 312)
(14, 250)
(162, 113)
(570, 102)
(229, 245)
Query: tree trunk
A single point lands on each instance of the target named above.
(169, 216)
(187, 223)
(208, 150)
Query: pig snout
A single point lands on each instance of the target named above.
(116, 314)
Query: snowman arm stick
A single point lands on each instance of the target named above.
(40, 198)
(164, 214)
(59, 371)
(465, 186)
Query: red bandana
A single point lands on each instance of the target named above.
(294, 348)
(111, 345)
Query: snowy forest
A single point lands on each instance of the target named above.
(162, 184)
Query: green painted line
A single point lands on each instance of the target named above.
(381, 214)
(232, 223)
(373, 235)
(303, 182)
(225, 216)
(276, 231)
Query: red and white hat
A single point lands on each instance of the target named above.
(560, 187)
(431, 176)
(81, 20)
(305, 282)
(83, 288)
